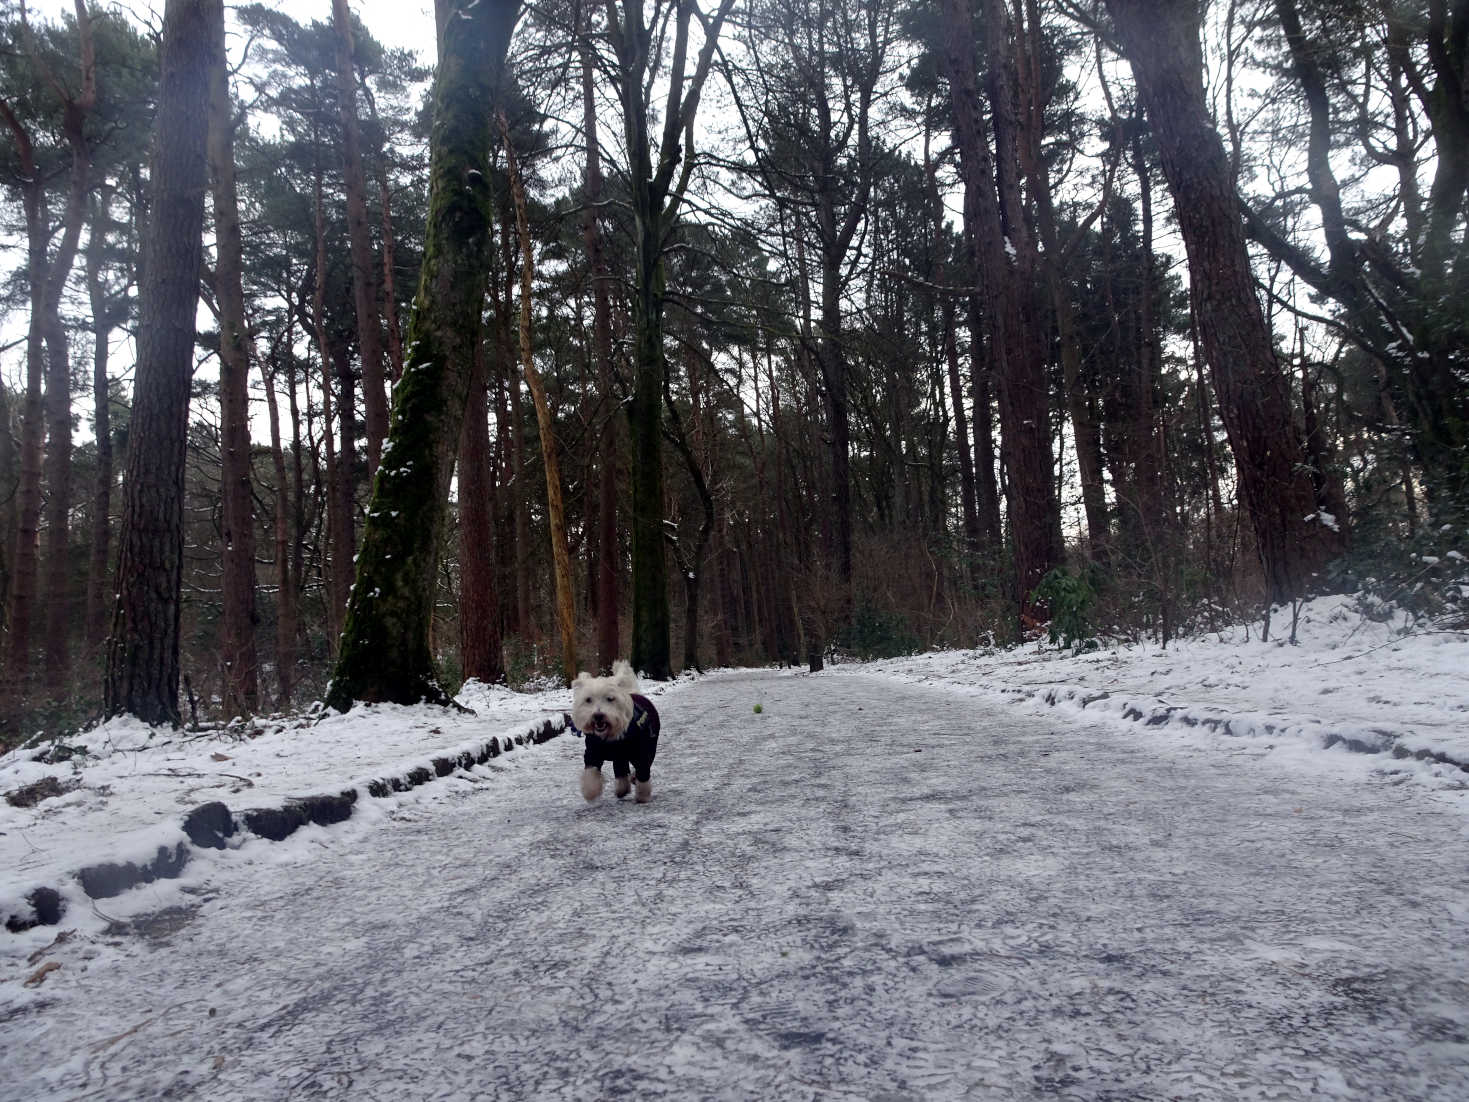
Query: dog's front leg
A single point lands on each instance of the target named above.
(591, 783)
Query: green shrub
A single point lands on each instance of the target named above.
(1070, 598)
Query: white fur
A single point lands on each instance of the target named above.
(645, 792)
(622, 787)
(603, 705)
(591, 784)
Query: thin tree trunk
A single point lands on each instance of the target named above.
(287, 611)
(555, 506)
(334, 562)
(25, 582)
(102, 319)
(607, 557)
(143, 651)
(59, 600)
(390, 249)
(241, 666)
(359, 240)
(481, 653)
(344, 489)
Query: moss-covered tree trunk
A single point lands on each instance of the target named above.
(385, 653)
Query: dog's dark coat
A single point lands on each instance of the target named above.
(634, 750)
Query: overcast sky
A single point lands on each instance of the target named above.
(407, 23)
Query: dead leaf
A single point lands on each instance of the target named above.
(60, 939)
(38, 977)
(220, 757)
(110, 1041)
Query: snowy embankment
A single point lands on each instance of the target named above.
(91, 815)
(120, 805)
(1349, 683)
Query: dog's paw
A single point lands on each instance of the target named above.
(622, 787)
(645, 792)
(591, 784)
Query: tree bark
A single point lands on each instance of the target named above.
(386, 653)
(1161, 40)
(143, 652)
(237, 642)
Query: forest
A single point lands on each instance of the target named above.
(710, 333)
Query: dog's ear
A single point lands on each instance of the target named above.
(581, 679)
(626, 679)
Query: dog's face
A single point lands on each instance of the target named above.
(602, 706)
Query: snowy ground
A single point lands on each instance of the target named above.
(1128, 874)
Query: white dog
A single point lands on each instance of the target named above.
(620, 726)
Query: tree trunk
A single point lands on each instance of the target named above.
(481, 654)
(364, 282)
(287, 608)
(1161, 39)
(25, 582)
(386, 653)
(237, 643)
(555, 506)
(143, 652)
(657, 193)
(607, 557)
(950, 340)
(102, 323)
(332, 562)
(343, 489)
(1006, 262)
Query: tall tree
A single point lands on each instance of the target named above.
(1161, 41)
(658, 180)
(1006, 262)
(550, 460)
(385, 652)
(364, 280)
(608, 635)
(46, 412)
(143, 651)
(241, 668)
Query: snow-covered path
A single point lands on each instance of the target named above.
(866, 890)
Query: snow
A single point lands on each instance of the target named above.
(1133, 872)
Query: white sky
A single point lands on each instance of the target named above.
(407, 23)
